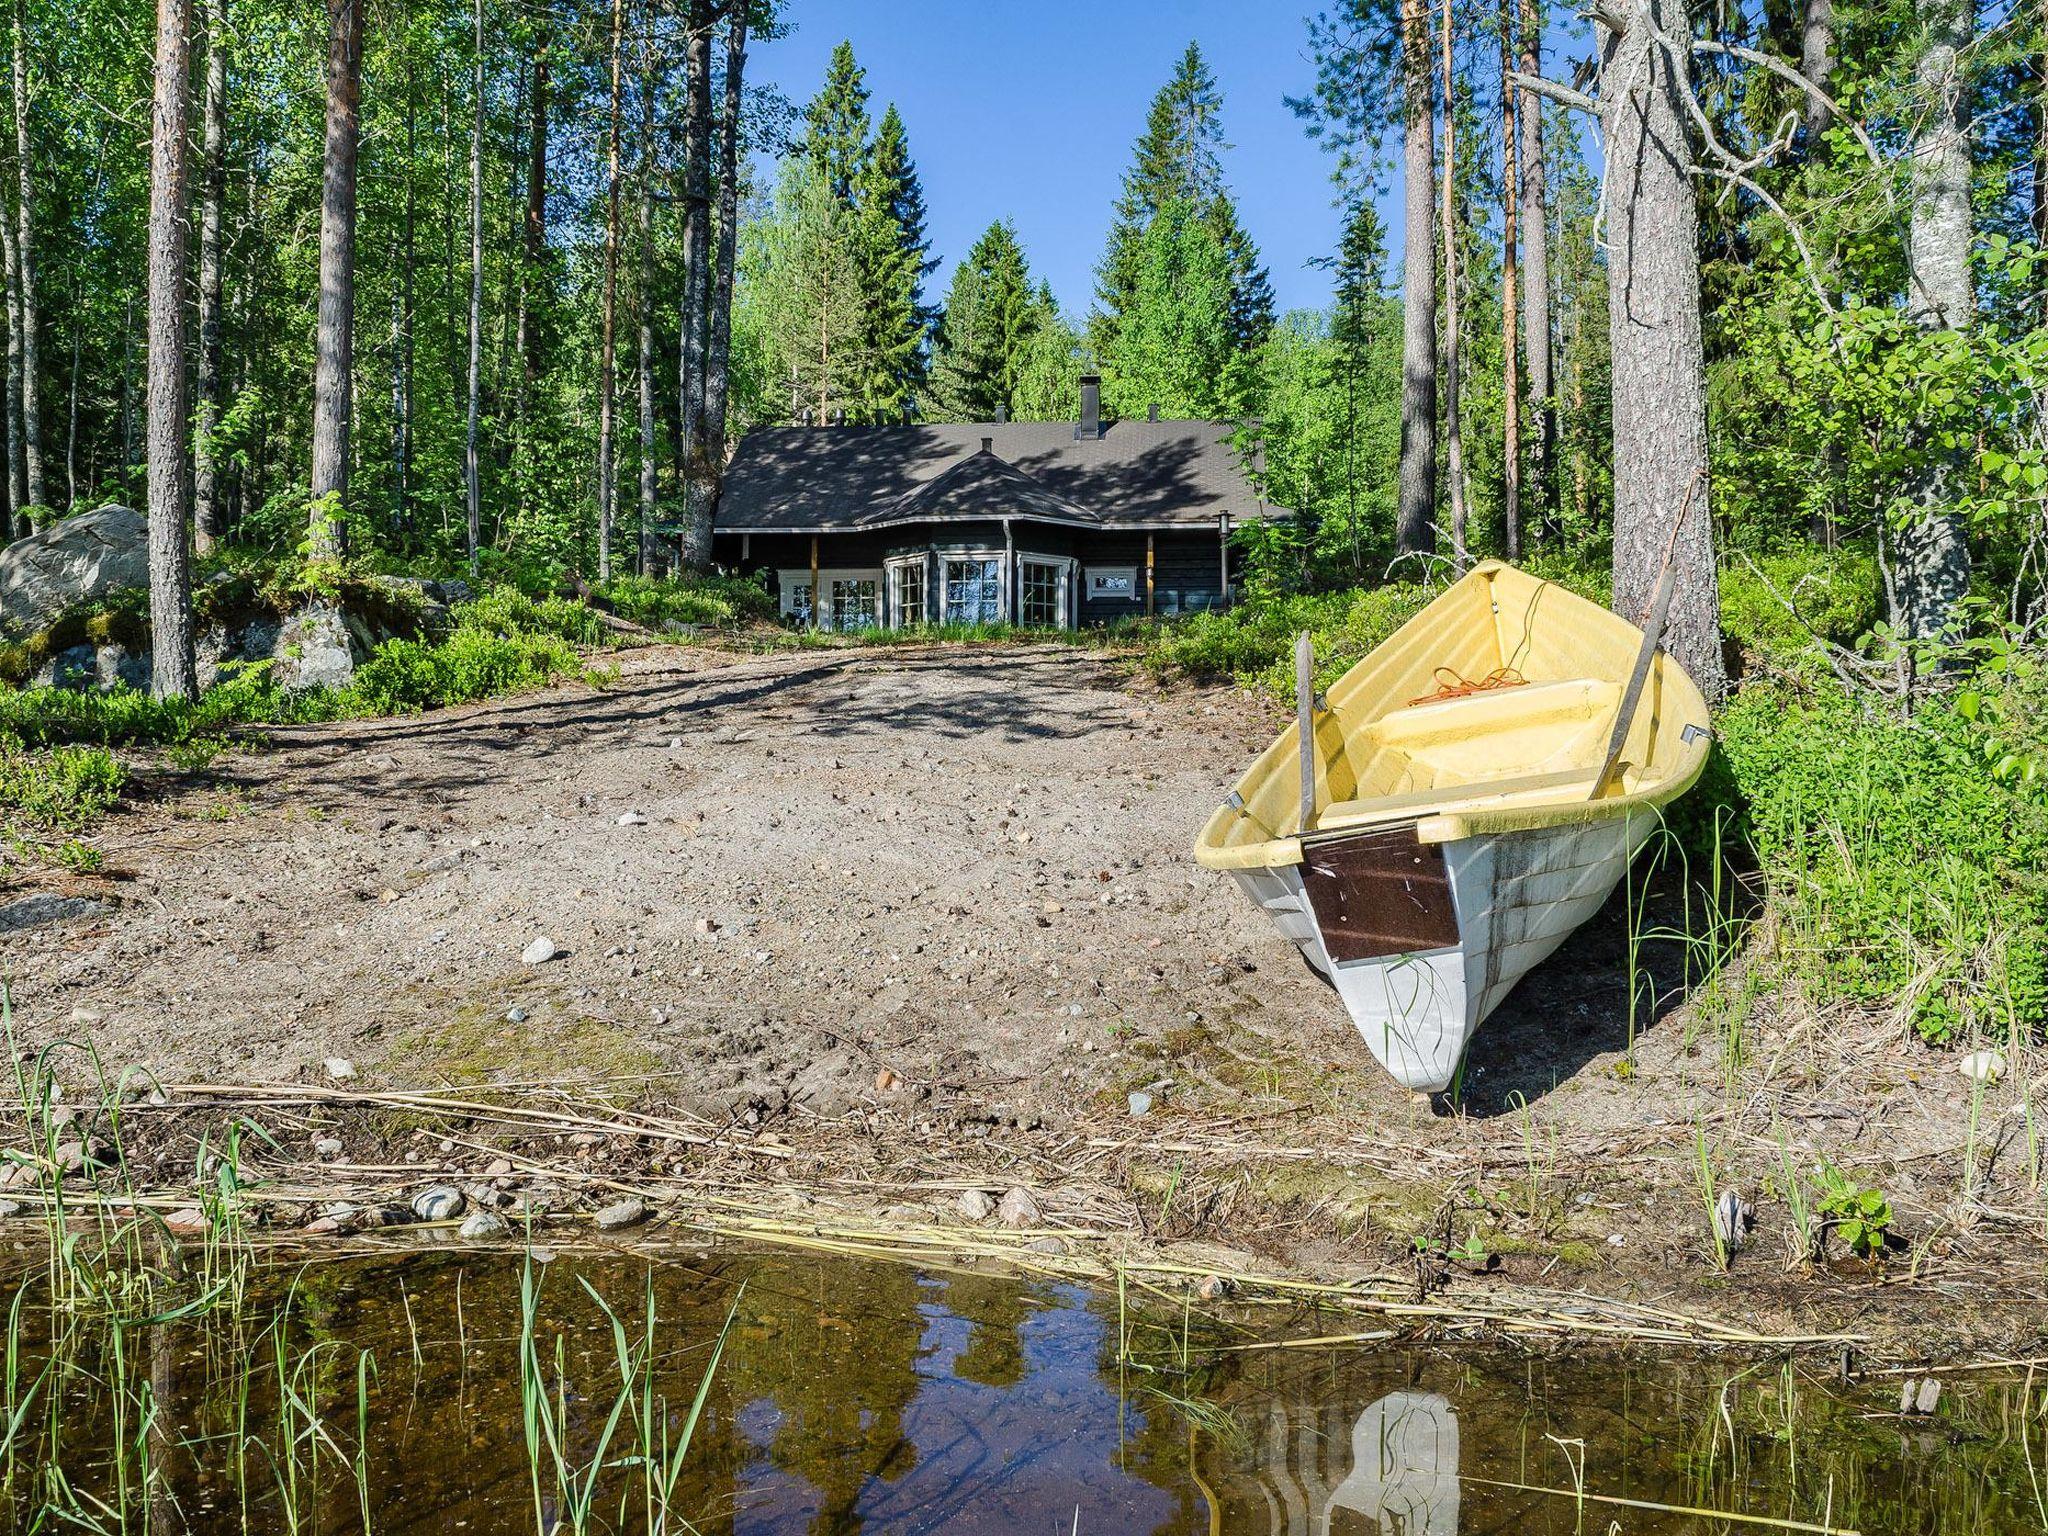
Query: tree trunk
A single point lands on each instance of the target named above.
(718, 356)
(1535, 231)
(18, 519)
(534, 246)
(606, 407)
(696, 550)
(1415, 528)
(645, 308)
(334, 333)
(1817, 63)
(1930, 558)
(403, 314)
(471, 477)
(31, 370)
(1653, 278)
(1511, 386)
(172, 673)
(1454, 427)
(206, 411)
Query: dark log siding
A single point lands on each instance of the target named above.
(1187, 564)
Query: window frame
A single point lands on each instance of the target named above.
(996, 557)
(1062, 567)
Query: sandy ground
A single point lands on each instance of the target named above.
(937, 905)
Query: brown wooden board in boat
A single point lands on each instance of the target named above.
(1383, 892)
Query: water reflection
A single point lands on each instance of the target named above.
(872, 1398)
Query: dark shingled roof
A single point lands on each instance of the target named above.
(1137, 474)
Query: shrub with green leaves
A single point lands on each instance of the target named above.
(1903, 869)
(721, 602)
(1833, 596)
(1860, 1217)
(58, 788)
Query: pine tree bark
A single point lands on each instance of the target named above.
(1511, 384)
(535, 228)
(1415, 527)
(644, 308)
(1930, 564)
(1454, 426)
(402, 317)
(1658, 368)
(1534, 222)
(213, 188)
(471, 474)
(334, 324)
(172, 671)
(696, 541)
(718, 355)
(606, 389)
(31, 368)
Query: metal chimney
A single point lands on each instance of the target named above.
(1002, 414)
(1152, 411)
(988, 445)
(1091, 405)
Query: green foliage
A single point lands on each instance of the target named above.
(1904, 871)
(988, 335)
(1833, 597)
(1860, 1217)
(475, 662)
(721, 602)
(59, 789)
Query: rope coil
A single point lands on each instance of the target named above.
(1453, 684)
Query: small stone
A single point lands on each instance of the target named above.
(82, 1015)
(324, 1226)
(1215, 1288)
(186, 1221)
(75, 1157)
(623, 1214)
(327, 1147)
(706, 925)
(1982, 1066)
(515, 1015)
(1141, 1104)
(340, 1069)
(632, 819)
(1919, 1396)
(1018, 1209)
(9, 1208)
(439, 1202)
(977, 1204)
(483, 1226)
(540, 951)
(1733, 1217)
(1045, 1245)
(541, 1255)
(500, 1168)
(887, 1081)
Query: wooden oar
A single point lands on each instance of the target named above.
(1653, 635)
(1305, 723)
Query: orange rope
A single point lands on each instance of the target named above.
(1452, 684)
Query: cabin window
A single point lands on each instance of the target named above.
(906, 593)
(1041, 590)
(796, 603)
(855, 603)
(974, 591)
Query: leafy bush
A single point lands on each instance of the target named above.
(717, 601)
(60, 788)
(1835, 595)
(507, 612)
(1904, 870)
(472, 663)
(1859, 1217)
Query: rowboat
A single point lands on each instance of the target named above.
(1459, 802)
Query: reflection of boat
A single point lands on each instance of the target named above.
(1404, 1470)
(1439, 837)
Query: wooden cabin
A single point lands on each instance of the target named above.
(1053, 524)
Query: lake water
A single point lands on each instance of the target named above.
(471, 1393)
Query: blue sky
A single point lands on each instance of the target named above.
(1027, 109)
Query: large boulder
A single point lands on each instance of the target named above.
(72, 560)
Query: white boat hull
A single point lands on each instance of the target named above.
(1517, 896)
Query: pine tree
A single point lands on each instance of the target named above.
(888, 204)
(1178, 158)
(837, 128)
(991, 319)
(1176, 166)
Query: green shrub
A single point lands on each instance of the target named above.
(58, 788)
(473, 663)
(1901, 868)
(508, 613)
(721, 602)
(1836, 594)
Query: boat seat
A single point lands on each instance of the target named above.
(1563, 784)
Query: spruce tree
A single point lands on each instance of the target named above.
(836, 125)
(888, 202)
(991, 318)
(1177, 166)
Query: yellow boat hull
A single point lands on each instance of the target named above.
(1454, 842)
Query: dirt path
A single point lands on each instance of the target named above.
(937, 904)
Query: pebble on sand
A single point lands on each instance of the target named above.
(632, 819)
(1982, 1066)
(977, 1204)
(340, 1068)
(540, 951)
(438, 1202)
(482, 1226)
(1018, 1209)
